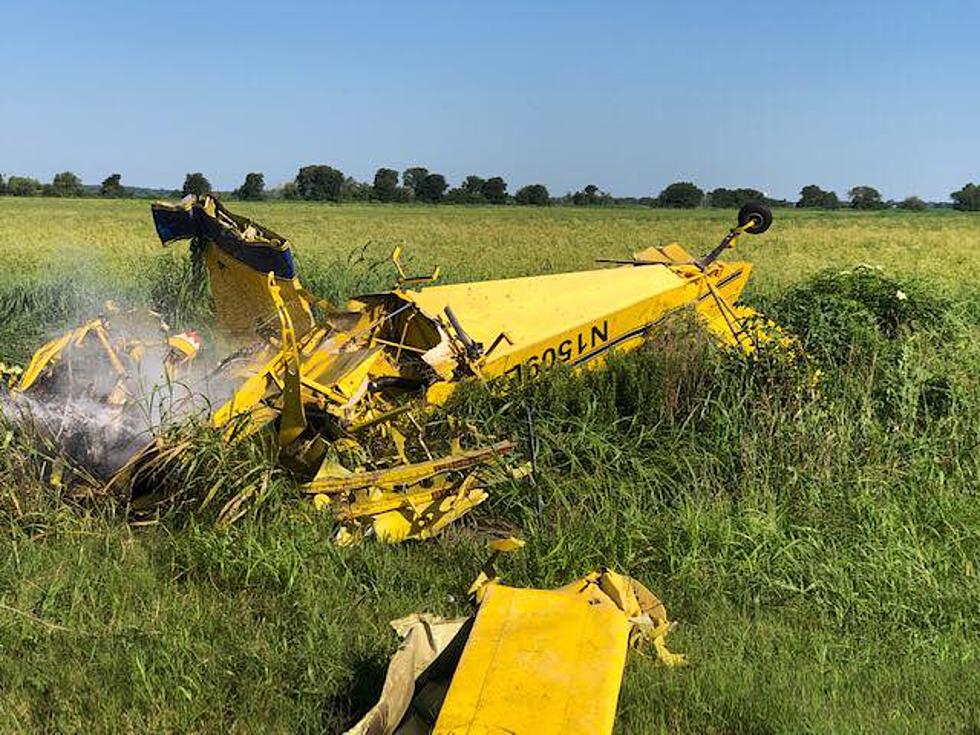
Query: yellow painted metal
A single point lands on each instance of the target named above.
(424, 513)
(579, 318)
(543, 661)
(186, 344)
(103, 338)
(292, 421)
(52, 351)
(529, 661)
(320, 380)
(506, 545)
(348, 372)
(241, 296)
(239, 292)
(514, 327)
(564, 318)
(408, 501)
(405, 279)
(245, 400)
(408, 474)
(488, 575)
(44, 356)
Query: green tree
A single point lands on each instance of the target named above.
(533, 194)
(356, 191)
(913, 204)
(196, 184)
(459, 195)
(494, 190)
(432, 189)
(66, 184)
(734, 198)
(473, 185)
(724, 198)
(413, 179)
(386, 185)
(589, 196)
(290, 190)
(252, 189)
(3, 185)
(469, 192)
(320, 183)
(813, 197)
(681, 195)
(23, 186)
(831, 201)
(966, 199)
(865, 197)
(112, 187)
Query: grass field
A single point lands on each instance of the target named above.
(819, 547)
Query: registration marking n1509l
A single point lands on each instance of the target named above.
(571, 349)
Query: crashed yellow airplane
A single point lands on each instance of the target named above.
(316, 376)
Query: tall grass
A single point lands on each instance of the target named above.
(817, 541)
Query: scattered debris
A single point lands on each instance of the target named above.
(335, 387)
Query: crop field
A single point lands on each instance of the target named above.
(816, 538)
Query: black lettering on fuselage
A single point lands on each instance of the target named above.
(599, 335)
(574, 348)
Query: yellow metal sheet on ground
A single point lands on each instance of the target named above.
(543, 661)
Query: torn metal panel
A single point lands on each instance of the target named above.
(406, 501)
(528, 660)
(534, 656)
(409, 474)
(424, 638)
(238, 254)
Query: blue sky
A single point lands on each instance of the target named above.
(629, 96)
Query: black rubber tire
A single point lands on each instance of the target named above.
(760, 214)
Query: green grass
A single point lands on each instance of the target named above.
(111, 241)
(818, 547)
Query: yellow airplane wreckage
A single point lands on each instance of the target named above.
(548, 662)
(323, 381)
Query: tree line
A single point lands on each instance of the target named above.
(64, 184)
(321, 182)
(414, 184)
(685, 195)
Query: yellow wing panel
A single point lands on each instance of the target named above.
(543, 661)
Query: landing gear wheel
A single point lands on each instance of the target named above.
(758, 214)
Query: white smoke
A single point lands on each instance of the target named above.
(98, 419)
